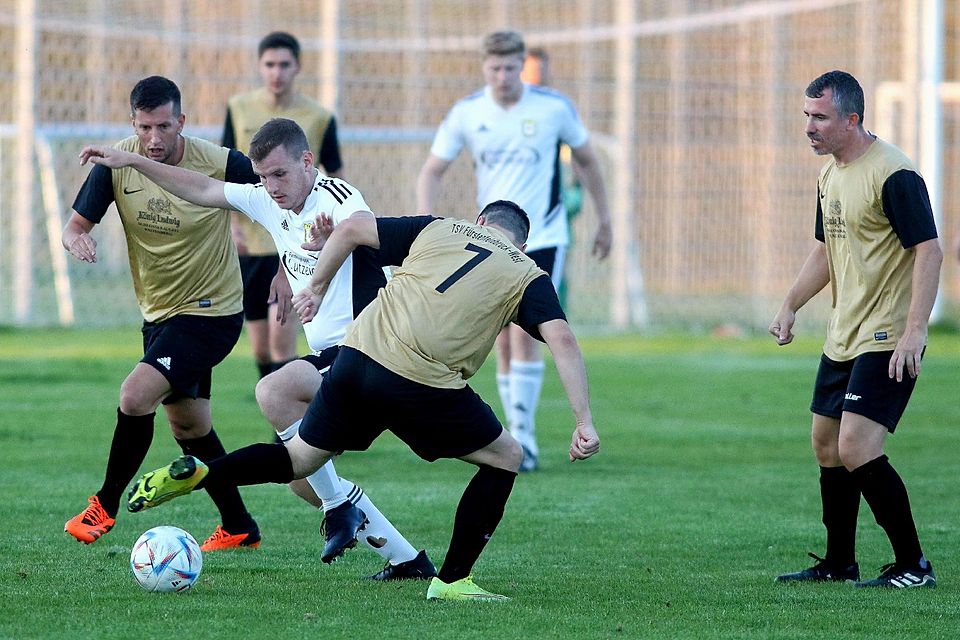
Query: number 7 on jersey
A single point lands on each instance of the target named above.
(482, 254)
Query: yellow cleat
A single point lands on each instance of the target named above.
(178, 478)
(462, 589)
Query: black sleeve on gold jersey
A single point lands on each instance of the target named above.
(907, 206)
(330, 149)
(818, 230)
(538, 305)
(239, 170)
(229, 139)
(396, 235)
(96, 194)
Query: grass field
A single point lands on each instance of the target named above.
(704, 490)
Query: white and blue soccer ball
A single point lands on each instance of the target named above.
(166, 560)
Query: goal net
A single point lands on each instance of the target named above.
(694, 107)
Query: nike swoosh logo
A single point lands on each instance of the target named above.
(127, 192)
(145, 488)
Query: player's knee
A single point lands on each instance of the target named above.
(827, 451)
(510, 455)
(267, 391)
(134, 401)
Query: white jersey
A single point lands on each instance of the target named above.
(289, 230)
(516, 153)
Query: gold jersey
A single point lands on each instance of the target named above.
(248, 112)
(437, 318)
(870, 270)
(182, 257)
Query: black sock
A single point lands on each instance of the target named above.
(233, 513)
(478, 514)
(840, 495)
(884, 491)
(265, 368)
(131, 441)
(279, 365)
(255, 464)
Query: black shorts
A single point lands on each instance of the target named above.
(550, 260)
(257, 273)
(862, 386)
(186, 348)
(322, 359)
(359, 399)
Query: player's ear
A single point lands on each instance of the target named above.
(307, 159)
(481, 220)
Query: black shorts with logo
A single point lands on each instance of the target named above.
(359, 399)
(257, 273)
(186, 348)
(862, 386)
(322, 359)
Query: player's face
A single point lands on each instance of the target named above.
(288, 180)
(159, 132)
(827, 130)
(502, 75)
(278, 68)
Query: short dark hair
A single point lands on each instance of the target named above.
(279, 40)
(278, 132)
(510, 216)
(503, 43)
(847, 92)
(153, 92)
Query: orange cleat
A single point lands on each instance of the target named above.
(88, 525)
(221, 539)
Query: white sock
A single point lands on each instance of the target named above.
(503, 386)
(324, 481)
(379, 534)
(526, 379)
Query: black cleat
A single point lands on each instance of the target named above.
(823, 571)
(420, 568)
(341, 526)
(894, 577)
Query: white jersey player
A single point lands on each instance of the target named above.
(513, 132)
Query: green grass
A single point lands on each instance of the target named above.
(704, 490)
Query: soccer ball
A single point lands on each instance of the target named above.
(166, 560)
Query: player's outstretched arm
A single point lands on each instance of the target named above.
(814, 275)
(573, 374)
(186, 184)
(359, 230)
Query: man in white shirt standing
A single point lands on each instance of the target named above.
(513, 132)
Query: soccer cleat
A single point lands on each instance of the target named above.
(823, 571)
(529, 462)
(166, 483)
(341, 526)
(462, 589)
(894, 577)
(221, 539)
(91, 523)
(420, 568)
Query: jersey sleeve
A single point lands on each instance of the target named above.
(229, 138)
(907, 206)
(449, 139)
(573, 132)
(397, 235)
(329, 151)
(239, 169)
(539, 304)
(245, 198)
(96, 194)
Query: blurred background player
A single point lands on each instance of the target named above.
(187, 283)
(513, 131)
(274, 343)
